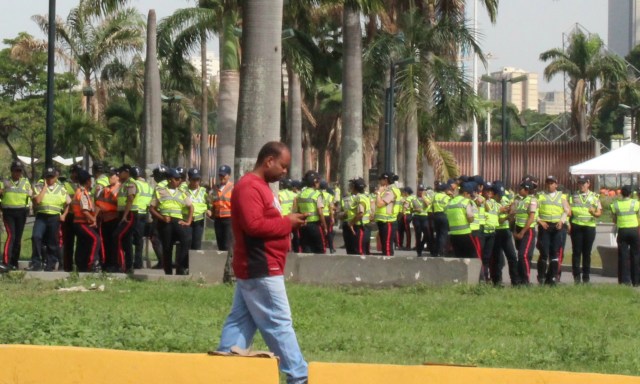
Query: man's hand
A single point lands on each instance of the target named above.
(559, 225)
(166, 219)
(124, 219)
(544, 225)
(297, 219)
(184, 223)
(519, 235)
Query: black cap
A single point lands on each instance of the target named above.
(452, 181)
(421, 187)
(83, 176)
(75, 168)
(296, 184)
(135, 171)
(182, 172)
(477, 179)
(527, 185)
(551, 178)
(324, 184)
(50, 172)
(194, 173)
(408, 190)
(16, 165)
(498, 189)
(286, 183)
(224, 170)
(311, 178)
(468, 186)
(625, 190)
(112, 171)
(98, 167)
(359, 184)
(386, 175)
(125, 168)
(582, 179)
(173, 173)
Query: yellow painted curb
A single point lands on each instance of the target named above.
(339, 373)
(22, 364)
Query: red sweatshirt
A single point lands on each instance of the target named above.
(261, 233)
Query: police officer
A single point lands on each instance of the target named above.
(311, 202)
(420, 210)
(523, 211)
(16, 194)
(625, 217)
(553, 210)
(440, 224)
(385, 213)
(51, 203)
(127, 218)
(405, 218)
(200, 201)
(101, 178)
(585, 208)
(358, 217)
(168, 207)
(160, 179)
(459, 214)
(183, 178)
(140, 208)
(328, 213)
(287, 200)
(503, 243)
(296, 188)
(107, 217)
(492, 210)
(68, 233)
(84, 222)
(344, 216)
(221, 197)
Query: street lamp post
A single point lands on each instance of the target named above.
(633, 111)
(88, 93)
(50, 84)
(389, 112)
(504, 80)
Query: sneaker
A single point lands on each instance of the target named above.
(4, 268)
(34, 268)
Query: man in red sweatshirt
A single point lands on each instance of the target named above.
(261, 236)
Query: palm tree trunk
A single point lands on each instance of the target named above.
(152, 104)
(294, 119)
(227, 116)
(260, 77)
(351, 143)
(204, 112)
(400, 152)
(411, 147)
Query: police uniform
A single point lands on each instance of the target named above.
(140, 206)
(440, 223)
(168, 206)
(625, 216)
(327, 212)
(107, 205)
(552, 210)
(50, 202)
(312, 236)
(122, 236)
(489, 267)
(84, 222)
(503, 243)
(222, 210)
(458, 211)
(405, 218)
(386, 216)
(68, 233)
(583, 230)
(16, 196)
(420, 210)
(358, 218)
(200, 202)
(521, 210)
(287, 199)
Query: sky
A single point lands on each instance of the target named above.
(523, 30)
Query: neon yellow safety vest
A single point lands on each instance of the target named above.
(397, 202)
(199, 201)
(522, 212)
(122, 194)
(440, 201)
(17, 195)
(382, 213)
(71, 189)
(456, 212)
(580, 209)
(163, 184)
(550, 209)
(143, 197)
(172, 204)
(102, 181)
(626, 211)
(421, 206)
(53, 201)
(345, 206)
(363, 199)
(286, 198)
(409, 204)
(308, 203)
(475, 224)
(492, 221)
(504, 201)
(328, 200)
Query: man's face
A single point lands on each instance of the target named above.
(174, 182)
(16, 173)
(552, 186)
(123, 176)
(223, 178)
(51, 180)
(277, 167)
(113, 179)
(584, 186)
(194, 183)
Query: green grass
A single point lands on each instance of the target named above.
(576, 328)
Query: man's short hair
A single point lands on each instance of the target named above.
(272, 148)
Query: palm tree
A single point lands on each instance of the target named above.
(586, 65)
(260, 77)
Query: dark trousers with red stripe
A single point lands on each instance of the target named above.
(109, 246)
(441, 229)
(349, 239)
(170, 233)
(45, 241)
(421, 226)
(488, 269)
(628, 256)
(330, 234)
(550, 240)
(464, 246)
(582, 238)
(525, 247)
(68, 242)
(386, 235)
(123, 239)
(296, 246)
(14, 221)
(86, 256)
(404, 227)
(312, 238)
(503, 247)
(137, 239)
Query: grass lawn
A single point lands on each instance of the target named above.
(577, 328)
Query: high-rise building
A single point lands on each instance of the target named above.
(623, 32)
(213, 66)
(523, 94)
(553, 103)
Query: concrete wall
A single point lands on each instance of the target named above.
(352, 270)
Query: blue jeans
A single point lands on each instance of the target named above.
(262, 304)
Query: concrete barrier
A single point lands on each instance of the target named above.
(340, 373)
(351, 269)
(609, 257)
(57, 365)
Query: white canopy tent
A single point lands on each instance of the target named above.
(624, 160)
